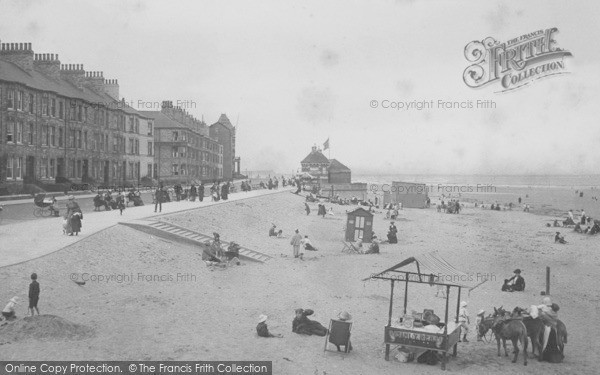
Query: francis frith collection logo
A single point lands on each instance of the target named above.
(514, 63)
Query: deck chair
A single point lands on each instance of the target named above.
(338, 335)
(350, 248)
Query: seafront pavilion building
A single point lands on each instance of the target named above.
(59, 122)
(184, 152)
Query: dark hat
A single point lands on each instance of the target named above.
(517, 271)
(34, 276)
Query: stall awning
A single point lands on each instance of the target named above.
(429, 268)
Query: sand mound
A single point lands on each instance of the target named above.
(44, 327)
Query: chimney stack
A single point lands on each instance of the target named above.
(73, 73)
(48, 64)
(20, 54)
(111, 88)
(167, 108)
(94, 81)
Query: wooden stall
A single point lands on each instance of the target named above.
(359, 223)
(431, 269)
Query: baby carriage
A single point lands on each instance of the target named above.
(45, 206)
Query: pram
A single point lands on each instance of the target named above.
(45, 206)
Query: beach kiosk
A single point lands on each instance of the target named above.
(429, 269)
(359, 223)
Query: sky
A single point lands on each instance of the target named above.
(293, 74)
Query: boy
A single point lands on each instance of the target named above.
(261, 328)
(464, 321)
(9, 309)
(34, 294)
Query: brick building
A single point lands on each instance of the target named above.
(60, 122)
(224, 132)
(183, 150)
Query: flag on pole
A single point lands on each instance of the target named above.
(326, 144)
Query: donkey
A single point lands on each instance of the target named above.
(535, 331)
(505, 328)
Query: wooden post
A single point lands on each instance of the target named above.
(457, 312)
(387, 346)
(547, 280)
(405, 294)
(444, 358)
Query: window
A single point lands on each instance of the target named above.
(131, 170)
(79, 113)
(10, 127)
(175, 153)
(175, 170)
(182, 152)
(52, 169)
(183, 169)
(105, 119)
(44, 168)
(30, 103)
(149, 128)
(79, 139)
(18, 165)
(175, 136)
(72, 112)
(60, 137)
(19, 132)
(149, 170)
(11, 99)
(137, 147)
(137, 126)
(131, 150)
(115, 144)
(31, 134)
(78, 169)
(149, 148)
(9, 167)
(61, 110)
(53, 107)
(85, 141)
(52, 136)
(20, 103)
(45, 105)
(85, 114)
(72, 138)
(131, 124)
(44, 135)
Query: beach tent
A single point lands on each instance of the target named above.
(430, 269)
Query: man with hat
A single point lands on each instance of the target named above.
(296, 242)
(515, 283)
(464, 321)
(261, 328)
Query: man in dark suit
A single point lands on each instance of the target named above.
(515, 283)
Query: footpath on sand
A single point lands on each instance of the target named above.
(20, 242)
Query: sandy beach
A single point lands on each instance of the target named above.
(158, 300)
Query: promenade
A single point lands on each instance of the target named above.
(20, 242)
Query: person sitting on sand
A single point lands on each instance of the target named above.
(261, 328)
(515, 283)
(9, 310)
(272, 232)
(307, 245)
(280, 234)
(304, 326)
(556, 223)
(373, 246)
(560, 239)
(344, 316)
(596, 228)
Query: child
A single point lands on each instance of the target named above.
(9, 309)
(34, 294)
(464, 321)
(480, 317)
(261, 328)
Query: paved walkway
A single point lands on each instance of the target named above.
(21, 242)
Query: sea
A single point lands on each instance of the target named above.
(548, 195)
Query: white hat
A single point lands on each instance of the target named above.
(463, 304)
(546, 301)
(482, 311)
(262, 318)
(344, 315)
(15, 299)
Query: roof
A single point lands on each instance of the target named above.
(36, 80)
(315, 157)
(163, 121)
(336, 166)
(223, 120)
(359, 210)
(426, 265)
